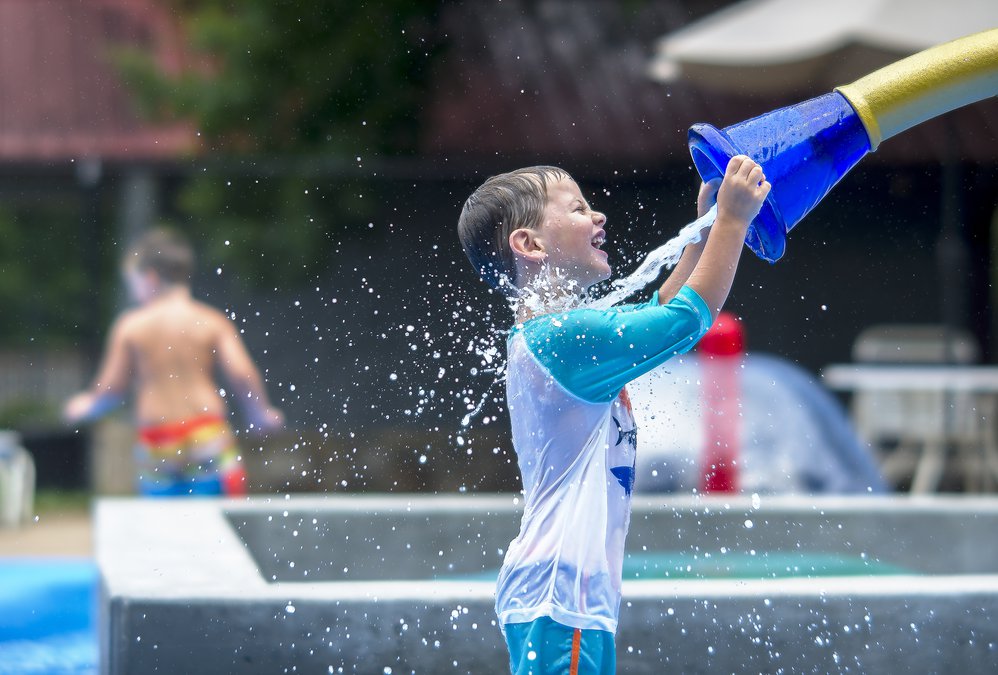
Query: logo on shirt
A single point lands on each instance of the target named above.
(624, 476)
(630, 436)
(629, 440)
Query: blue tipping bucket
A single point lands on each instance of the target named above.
(804, 150)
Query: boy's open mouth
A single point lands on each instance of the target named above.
(598, 240)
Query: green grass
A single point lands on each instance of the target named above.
(62, 501)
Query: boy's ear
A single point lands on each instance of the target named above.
(525, 243)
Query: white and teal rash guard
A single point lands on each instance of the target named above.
(575, 440)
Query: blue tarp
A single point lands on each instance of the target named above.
(793, 435)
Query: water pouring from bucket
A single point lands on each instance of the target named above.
(805, 149)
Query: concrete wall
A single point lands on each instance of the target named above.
(188, 586)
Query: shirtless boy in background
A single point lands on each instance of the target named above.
(167, 349)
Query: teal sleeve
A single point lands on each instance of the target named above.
(594, 353)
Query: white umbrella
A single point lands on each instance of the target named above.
(778, 46)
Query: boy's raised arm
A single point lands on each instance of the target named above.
(739, 199)
(691, 254)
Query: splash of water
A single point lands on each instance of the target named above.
(551, 291)
(666, 255)
(500, 377)
(555, 291)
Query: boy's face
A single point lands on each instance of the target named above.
(572, 234)
(141, 284)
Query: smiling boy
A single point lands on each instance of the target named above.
(532, 234)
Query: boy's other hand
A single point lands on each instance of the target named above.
(266, 419)
(742, 191)
(77, 407)
(87, 406)
(273, 419)
(708, 196)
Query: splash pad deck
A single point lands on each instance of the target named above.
(402, 584)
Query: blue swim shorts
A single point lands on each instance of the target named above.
(545, 647)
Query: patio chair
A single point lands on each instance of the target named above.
(914, 429)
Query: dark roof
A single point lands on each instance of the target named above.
(561, 80)
(60, 97)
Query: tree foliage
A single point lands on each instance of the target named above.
(286, 87)
(47, 289)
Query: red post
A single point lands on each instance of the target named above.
(721, 351)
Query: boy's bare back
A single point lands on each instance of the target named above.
(174, 345)
(169, 350)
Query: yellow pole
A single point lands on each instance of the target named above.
(926, 84)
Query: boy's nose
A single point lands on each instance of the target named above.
(599, 218)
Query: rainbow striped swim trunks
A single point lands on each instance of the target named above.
(193, 457)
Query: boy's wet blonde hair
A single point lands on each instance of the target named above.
(166, 252)
(502, 204)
